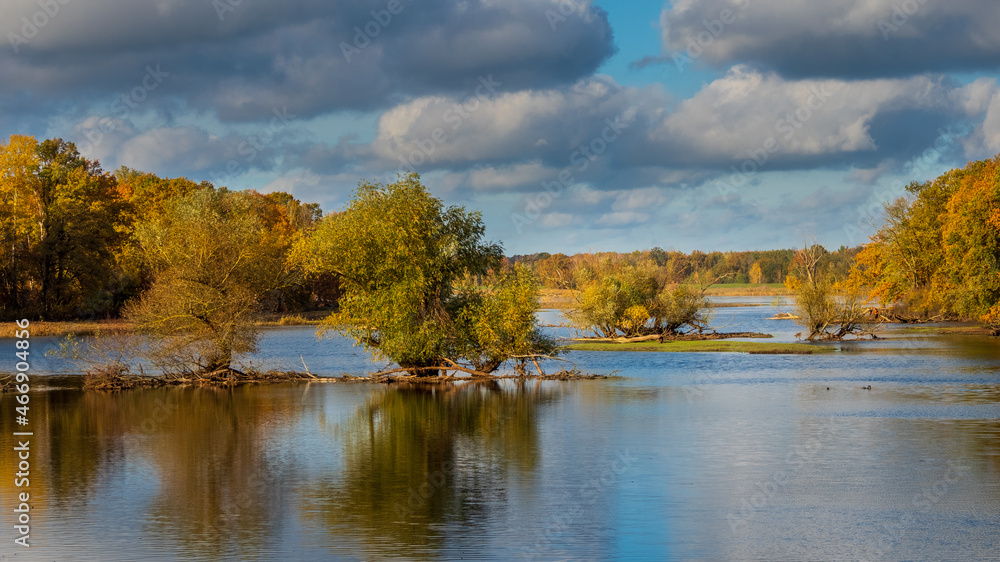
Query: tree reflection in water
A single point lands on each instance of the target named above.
(418, 457)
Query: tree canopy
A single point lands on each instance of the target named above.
(213, 260)
(937, 253)
(624, 299)
(421, 285)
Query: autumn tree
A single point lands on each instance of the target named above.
(633, 300)
(61, 218)
(20, 210)
(555, 271)
(212, 259)
(406, 263)
(829, 308)
(971, 234)
(935, 254)
(756, 275)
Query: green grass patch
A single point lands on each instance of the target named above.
(706, 346)
(748, 285)
(747, 290)
(943, 330)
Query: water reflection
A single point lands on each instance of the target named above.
(418, 456)
(730, 456)
(219, 487)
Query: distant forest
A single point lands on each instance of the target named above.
(559, 271)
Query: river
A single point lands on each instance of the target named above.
(711, 456)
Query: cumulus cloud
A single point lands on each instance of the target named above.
(597, 127)
(549, 125)
(836, 38)
(308, 56)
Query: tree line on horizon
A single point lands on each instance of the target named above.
(561, 271)
(415, 281)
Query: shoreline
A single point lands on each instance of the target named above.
(705, 346)
(62, 328)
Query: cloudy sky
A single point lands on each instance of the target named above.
(572, 125)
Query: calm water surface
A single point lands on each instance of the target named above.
(681, 456)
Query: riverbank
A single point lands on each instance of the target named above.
(90, 328)
(748, 290)
(563, 299)
(706, 347)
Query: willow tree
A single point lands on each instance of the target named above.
(636, 300)
(213, 260)
(829, 308)
(410, 269)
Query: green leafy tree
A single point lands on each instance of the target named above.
(495, 324)
(622, 299)
(403, 259)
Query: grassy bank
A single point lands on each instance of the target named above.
(705, 346)
(89, 328)
(747, 290)
(80, 328)
(946, 330)
(563, 299)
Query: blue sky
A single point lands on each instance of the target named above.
(572, 125)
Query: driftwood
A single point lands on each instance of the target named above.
(477, 374)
